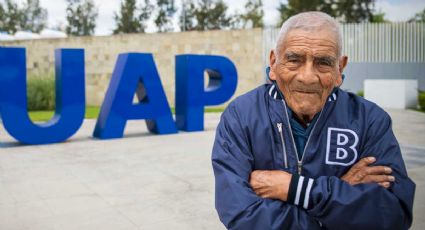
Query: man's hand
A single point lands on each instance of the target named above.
(361, 172)
(273, 184)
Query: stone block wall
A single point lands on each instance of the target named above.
(243, 47)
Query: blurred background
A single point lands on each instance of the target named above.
(383, 39)
(147, 181)
(96, 17)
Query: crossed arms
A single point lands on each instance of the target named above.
(275, 184)
(366, 197)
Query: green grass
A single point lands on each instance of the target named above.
(207, 110)
(41, 115)
(214, 110)
(92, 112)
(421, 100)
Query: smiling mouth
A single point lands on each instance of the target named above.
(306, 92)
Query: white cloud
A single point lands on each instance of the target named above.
(400, 10)
(56, 11)
(105, 19)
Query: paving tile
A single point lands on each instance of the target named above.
(76, 204)
(106, 219)
(17, 215)
(142, 181)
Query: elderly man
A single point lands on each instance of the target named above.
(300, 153)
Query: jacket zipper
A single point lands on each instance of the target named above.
(300, 161)
(285, 158)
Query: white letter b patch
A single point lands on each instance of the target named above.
(341, 147)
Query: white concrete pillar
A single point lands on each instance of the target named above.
(392, 94)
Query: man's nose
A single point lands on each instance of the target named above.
(308, 74)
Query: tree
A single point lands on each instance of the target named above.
(187, 18)
(419, 17)
(132, 19)
(349, 11)
(205, 15)
(33, 16)
(354, 11)
(296, 6)
(379, 17)
(81, 16)
(165, 14)
(3, 18)
(11, 17)
(254, 14)
(211, 15)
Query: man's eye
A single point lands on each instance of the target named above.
(324, 63)
(294, 60)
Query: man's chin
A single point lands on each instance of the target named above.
(307, 110)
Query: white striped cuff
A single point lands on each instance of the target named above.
(299, 191)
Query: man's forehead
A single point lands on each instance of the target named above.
(319, 33)
(297, 52)
(319, 42)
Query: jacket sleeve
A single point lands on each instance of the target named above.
(337, 204)
(236, 203)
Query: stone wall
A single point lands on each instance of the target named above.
(243, 47)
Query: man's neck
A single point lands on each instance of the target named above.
(304, 120)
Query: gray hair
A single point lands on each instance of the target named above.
(310, 21)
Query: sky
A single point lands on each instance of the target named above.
(395, 10)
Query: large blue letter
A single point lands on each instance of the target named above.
(191, 97)
(70, 97)
(134, 73)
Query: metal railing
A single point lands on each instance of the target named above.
(373, 42)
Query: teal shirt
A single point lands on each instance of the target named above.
(300, 132)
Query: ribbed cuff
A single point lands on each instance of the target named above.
(299, 191)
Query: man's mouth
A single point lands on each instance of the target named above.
(306, 91)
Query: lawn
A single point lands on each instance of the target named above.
(420, 110)
(92, 112)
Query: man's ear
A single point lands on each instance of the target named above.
(343, 60)
(272, 59)
(342, 64)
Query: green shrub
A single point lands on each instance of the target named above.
(41, 93)
(360, 93)
(421, 99)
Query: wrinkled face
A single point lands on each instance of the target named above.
(307, 69)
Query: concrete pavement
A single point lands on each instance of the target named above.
(409, 128)
(142, 181)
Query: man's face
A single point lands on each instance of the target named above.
(307, 70)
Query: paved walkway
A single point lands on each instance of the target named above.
(409, 128)
(142, 181)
